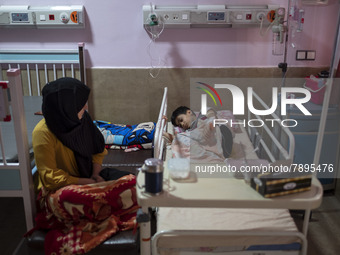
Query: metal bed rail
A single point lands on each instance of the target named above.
(160, 127)
(24, 166)
(285, 153)
(226, 233)
(42, 66)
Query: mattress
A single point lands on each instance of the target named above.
(218, 219)
(126, 161)
(32, 104)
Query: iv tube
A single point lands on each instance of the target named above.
(155, 28)
(277, 44)
(278, 29)
(293, 10)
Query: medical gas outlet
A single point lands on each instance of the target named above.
(200, 16)
(71, 16)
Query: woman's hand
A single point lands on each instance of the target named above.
(96, 170)
(97, 178)
(84, 181)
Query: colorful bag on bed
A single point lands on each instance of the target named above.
(126, 134)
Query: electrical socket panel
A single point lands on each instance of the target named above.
(209, 15)
(71, 16)
(305, 55)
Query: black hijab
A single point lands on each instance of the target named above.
(62, 100)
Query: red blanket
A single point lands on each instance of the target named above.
(80, 217)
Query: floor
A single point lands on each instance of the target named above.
(323, 235)
(324, 227)
(12, 224)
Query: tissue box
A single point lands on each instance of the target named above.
(273, 185)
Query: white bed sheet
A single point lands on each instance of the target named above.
(232, 219)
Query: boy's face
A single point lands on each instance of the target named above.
(184, 120)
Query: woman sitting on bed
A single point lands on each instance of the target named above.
(201, 130)
(76, 205)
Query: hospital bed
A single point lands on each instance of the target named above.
(200, 215)
(37, 68)
(27, 71)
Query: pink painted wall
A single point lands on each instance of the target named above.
(115, 37)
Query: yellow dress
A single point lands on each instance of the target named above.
(55, 162)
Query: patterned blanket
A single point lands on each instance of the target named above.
(124, 136)
(80, 217)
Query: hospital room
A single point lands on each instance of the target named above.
(192, 127)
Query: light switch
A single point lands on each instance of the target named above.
(300, 55)
(311, 55)
(42, 17)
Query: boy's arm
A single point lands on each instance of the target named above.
(211, 113)
(168, 137)
(204, 132)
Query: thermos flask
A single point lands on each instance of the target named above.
(153, 169)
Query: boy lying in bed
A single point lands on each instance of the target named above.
(200, 129)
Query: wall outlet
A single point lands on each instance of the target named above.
(310, 55)
(305, 55)
(300, 55)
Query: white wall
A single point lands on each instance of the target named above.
(115, 37)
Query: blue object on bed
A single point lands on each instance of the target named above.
(126, 134)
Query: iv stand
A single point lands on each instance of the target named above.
(283, 65)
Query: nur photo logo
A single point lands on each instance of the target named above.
(209, 93)
(280, 101)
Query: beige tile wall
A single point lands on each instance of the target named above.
(130, 96)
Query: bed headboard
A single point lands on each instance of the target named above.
(38, 67)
